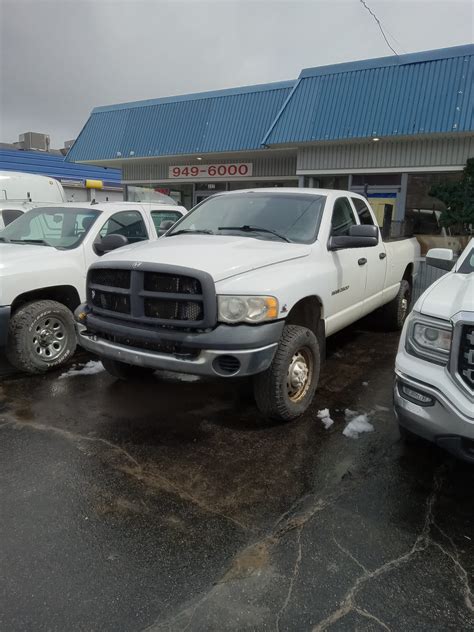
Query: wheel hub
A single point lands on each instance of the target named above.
(49, 338)
(299, 374)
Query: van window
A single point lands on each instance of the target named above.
(130, 224)
(342, 217)
(365, 217)
(10, 214)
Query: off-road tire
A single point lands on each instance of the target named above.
(270, 387)
(394, 314)
(124, 371)
(21, 350)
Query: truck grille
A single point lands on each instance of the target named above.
(466, 356)
(153, 295)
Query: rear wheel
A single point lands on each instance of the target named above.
(124, 371)
(286, 389)
(394, 313)
(41, 336)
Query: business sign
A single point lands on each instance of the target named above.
(232, 170)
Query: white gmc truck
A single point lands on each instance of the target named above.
(44, 256)
(434, 384)
(248, 283)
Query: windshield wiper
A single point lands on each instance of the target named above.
(7, 241)
(190, 231)
(39, 242)
(255, 229)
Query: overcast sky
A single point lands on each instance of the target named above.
(61, 58)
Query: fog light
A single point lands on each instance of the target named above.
(416, 396)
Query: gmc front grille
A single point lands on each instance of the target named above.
(466, 356)
(152, 294)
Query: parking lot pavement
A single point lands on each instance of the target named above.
(168, 505)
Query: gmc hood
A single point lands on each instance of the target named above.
(451, 294)
(13, 254)
(220, 256)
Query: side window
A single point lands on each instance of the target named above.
(130, 224)
(9, 215)
(363, 211)
(342, 217)
(164, 216)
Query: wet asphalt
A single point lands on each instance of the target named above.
(168, 505)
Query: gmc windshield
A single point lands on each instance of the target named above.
(291, 217)
(51, 226)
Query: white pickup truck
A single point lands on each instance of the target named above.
(434, 385)
(44, 256)
(248, 283)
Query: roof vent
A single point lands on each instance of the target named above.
(35, 141)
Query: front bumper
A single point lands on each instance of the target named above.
(4, 321)
(250, 348)
(440, 422)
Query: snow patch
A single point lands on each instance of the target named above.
(350, 414)
(324, 415)
(90, 368)
(365, 383)
(357, 425)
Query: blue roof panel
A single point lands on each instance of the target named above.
(419, 93)
(54, 166)
(225, 120)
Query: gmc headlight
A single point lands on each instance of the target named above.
(429, 338)
(246, 309)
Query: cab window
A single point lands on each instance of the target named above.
(164, 216)
(9, 215)
(130, 224)
(365, 216)
(342, 217)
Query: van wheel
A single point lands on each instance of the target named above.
(41, 336)
(124, 371)
(286, 389)
(395, 313)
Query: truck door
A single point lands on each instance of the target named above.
(376, 261)
(348, 272)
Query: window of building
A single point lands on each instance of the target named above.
(363, 212)
(130, 224)
(342, 217)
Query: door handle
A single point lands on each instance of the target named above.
(382, 255)
(362, 261)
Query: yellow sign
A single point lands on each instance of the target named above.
(94, 184)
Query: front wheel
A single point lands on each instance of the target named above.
(286, 389)
(40, 336)
(124, 371)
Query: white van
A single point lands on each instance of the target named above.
(19, 192)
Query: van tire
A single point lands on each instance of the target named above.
(394, 314)
(124, 371)
(277, 397)
(41, 336)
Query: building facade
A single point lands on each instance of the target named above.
(389, 128)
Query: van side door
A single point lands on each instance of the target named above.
(347, 272)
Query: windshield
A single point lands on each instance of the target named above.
(62, 228)
(467, 266)
(264, 215)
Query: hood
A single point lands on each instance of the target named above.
(451, 294)
(13, 254)
(221, 256)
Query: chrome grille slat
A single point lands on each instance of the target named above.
(466, 356)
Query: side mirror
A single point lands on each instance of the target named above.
(362, 236)
(110, 242)
(442, 258)
(165, 226)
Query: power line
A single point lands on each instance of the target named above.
(379, 24)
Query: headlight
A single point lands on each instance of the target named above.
(429, 338)
(246, 309)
